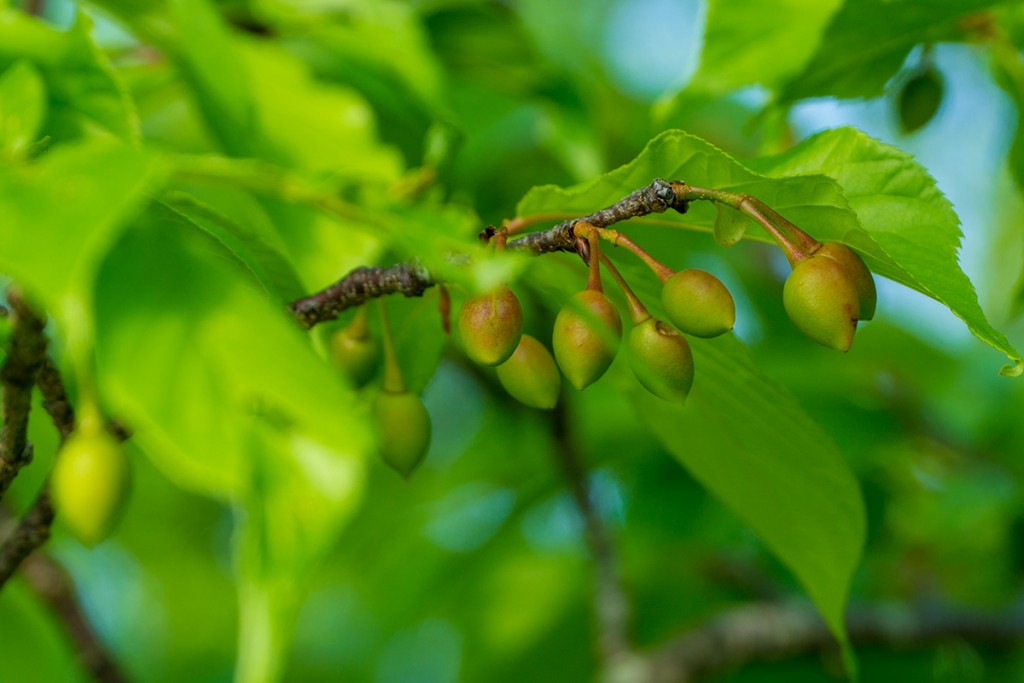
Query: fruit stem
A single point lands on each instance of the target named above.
(637, 311)
(619, 240)
(794, 242)
(594, 239)
(393, 382)
(359, 328)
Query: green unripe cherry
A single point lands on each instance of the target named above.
(354, 350)
(857, 272)
(403, 429)
(661, 359)
(698, 303)
(530, 376)
(89, 483)
(586, 336)
(490, 326)
(821, 300)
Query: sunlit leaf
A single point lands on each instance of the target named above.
(22, 108)
(840, 185)
(847, 64)
(59, 216)
(226, 396)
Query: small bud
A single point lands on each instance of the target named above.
(586, 337)
(89, 483)
(821, 300)
(919, 100)
(490, 326)
(403, 430)
(530, 376)
(661, 359)
(698, 303)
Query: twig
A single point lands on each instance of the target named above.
(24, 358)
(769, 631)
(413, 279)
(31, 532)
(34, 528)
(611, 605)
(51, 583)
(43, 574)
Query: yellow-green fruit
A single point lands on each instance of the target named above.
(355, 352)
(403, 429)
(587, 333)
(661, 359)
(530, 376)
(821, 300)
(858, 273)
(89, 484)
(698, 303)
(490, 326)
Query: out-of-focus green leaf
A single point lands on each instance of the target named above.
(59, 216)
(848, 63)
(313, 125)
(869, 195)
(751, 445)
(750, 42)
(22, 108)
(84, 90)
(261, 251)
(228, 399)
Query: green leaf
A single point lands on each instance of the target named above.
(868, 41)
(260, 250)
(22, 108)
(226, 396)
(870, 196)
(84, 89)
(59, 216)
(916, 231)
(752, 446)
(748, 42)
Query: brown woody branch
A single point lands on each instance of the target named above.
(42, 573)
(50, 581)
(611, 604)
(413, 279)
(771, 631)
(25, 356)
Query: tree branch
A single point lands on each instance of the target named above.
(51, 583)
(770, 631)
(611, 604)
(413, 279)
(24, 358)
(31, 532)
(42, 573)
(34, 528)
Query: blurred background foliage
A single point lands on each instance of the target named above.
(476, 570)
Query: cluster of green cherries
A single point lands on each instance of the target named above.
(828, 292)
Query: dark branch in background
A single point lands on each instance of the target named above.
(611, 605)
(771, 631)
(34, 528)
(42, 573)
(413, 279)
(25, 356)
(51, 583)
